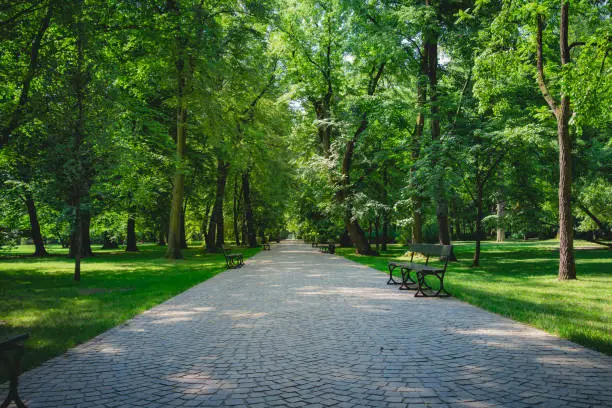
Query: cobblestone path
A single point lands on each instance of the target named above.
(295, 328)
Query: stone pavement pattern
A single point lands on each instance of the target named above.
(295, 328)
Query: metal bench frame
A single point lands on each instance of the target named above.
(15, 346)
(233, 259)
(328, 249)
(444, 252)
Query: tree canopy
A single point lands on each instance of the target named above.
(361, 123)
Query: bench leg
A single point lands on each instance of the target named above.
(407, 282)
(422, 286)
(13, 372)
(392, 281)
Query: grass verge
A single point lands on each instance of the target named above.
(38, 295)
(519, 280)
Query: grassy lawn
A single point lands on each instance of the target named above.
(38, 295)
(519, 280)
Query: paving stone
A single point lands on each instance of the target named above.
(296, 328)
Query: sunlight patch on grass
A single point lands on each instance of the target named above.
(39, 295)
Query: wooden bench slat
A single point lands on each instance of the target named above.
(7, 343)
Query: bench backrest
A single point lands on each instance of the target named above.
(443, 252)
(9, 343)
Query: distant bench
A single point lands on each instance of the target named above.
(233, 259)
(12, 345)
(328, 249)
(443, 252)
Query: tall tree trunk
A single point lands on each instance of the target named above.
(85, 235)
(131, 234)
(203, 227)
(323, 114)
(345, 239)
(322, 106)
(476, 261)
(162, 236)
(215, 237)
(80, 241)
(107, 242)
(501, 233)
(350, 223)
(235, 213)
(358, 236)
(417, 224)
(376, 232)
(562, 112)
(441, 204)
(248, 211)
(567, 263)
(244, 231)
(385, 231)
(456, 218)
(178, 190)
(76, 242)
(417, 213)
(442, 216)
(39, 244)
(17, 116)
(385, 214)
(183, 231)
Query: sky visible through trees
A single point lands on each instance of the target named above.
(357, 122)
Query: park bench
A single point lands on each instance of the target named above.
(266, 246)
(327, 249)
(443, 252)
(12, 347)
(233, 259)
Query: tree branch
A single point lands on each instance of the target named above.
(603, 61)
(375, 75)
(467, 81)
(493, 166)
(304, 51)
(16, 116)
(374, 80)
(576, 44)
(467, 188)
(540, 67)
(592, 216)
(32, 9)
(252, 105)
(415, 45)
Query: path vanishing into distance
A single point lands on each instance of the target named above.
(296, 328)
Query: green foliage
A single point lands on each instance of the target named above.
(266, 83)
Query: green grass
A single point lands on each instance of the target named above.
(519, 280)
(38, 295)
